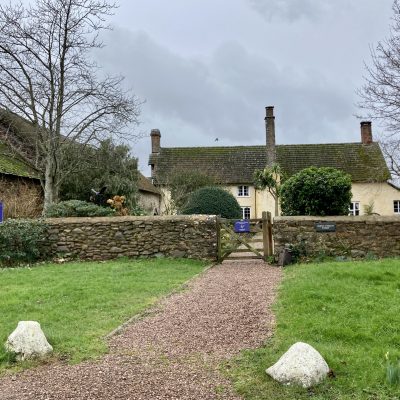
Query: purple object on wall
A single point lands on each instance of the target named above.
(242, 226)
(1, 211)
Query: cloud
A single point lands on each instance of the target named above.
(195, 100)
(292, 10)
(175, 88)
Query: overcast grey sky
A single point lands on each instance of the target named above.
(207, 69)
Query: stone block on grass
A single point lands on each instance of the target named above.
(301, 365)
(28, 341)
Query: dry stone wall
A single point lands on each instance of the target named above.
(353, 236)
(106, 238)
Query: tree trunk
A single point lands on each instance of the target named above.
(50, 186)
(276, 207)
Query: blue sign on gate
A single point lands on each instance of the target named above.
(1, 211)
(242, 226)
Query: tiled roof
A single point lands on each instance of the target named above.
(145, 185)
(365, 163)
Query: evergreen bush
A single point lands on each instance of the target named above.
(77, 208)
(213, 200)
(108, 165)
(20, 240)
(316, 191)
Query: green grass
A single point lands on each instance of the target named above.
(350, 313)
(77, 304)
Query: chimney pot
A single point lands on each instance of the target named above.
(366, 132)
(155, 140)
(269, 112)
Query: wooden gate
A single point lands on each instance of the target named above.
(240, 246)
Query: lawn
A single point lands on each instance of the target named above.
(349, 312)
(77, 304)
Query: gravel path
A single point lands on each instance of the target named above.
(174, 353)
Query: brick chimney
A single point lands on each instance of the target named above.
(366, 132)
(270, 133)
(155, 140)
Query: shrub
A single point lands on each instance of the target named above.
(77, 208)
(316, 191)
(213, 200)
(19, 240)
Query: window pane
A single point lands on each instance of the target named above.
(245, 212)
(243, 191)
(351, 209)
(396, 206)
(354, 208)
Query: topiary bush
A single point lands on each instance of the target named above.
(213, 200)
(20, 240)
(77, 208)
(316, 191)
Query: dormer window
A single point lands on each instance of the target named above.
(243, 191)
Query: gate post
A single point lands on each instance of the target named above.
(219, 243)
(265, 235)
(270, 243)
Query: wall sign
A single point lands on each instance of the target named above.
(325, 226)
(242, 226)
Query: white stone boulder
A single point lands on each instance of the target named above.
(28, 341)
(301, 365)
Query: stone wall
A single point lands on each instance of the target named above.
(354, 236)
(105, 238)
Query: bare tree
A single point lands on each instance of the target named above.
(48, 78)
(380, 94)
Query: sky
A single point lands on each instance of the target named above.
(207, 69)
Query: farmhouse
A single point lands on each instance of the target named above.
(234, 166)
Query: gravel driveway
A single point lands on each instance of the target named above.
(174, 353)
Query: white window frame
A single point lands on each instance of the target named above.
(243, 191)
(246, 210)
(396, 206)
(354, 208)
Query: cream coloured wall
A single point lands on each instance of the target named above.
(166, 206)
(381, 194)
(150, 202)
(258, 200)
